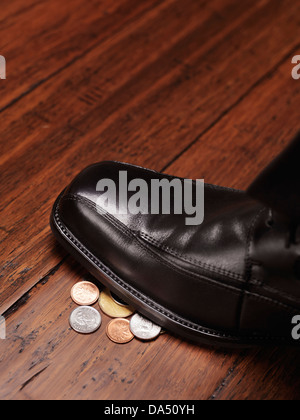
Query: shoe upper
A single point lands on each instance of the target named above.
(237, 272)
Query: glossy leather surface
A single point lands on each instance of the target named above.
(278, 185)
(235, 273)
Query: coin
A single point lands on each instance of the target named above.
(85, 319)
(111, 308)
(85, 293)
(143, 328)
(118, 300)
(118, 331)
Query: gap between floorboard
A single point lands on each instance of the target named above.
(269, 74)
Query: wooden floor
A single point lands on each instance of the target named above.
(199, 89)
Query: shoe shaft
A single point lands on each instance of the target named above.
(277, 187)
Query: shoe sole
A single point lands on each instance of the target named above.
(156, 313)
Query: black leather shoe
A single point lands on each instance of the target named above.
(234, 280)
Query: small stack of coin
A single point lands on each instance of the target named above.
(121, 330)
(118, 330)
(86, 319)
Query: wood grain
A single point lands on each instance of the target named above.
(49, 359)
(56, 35)
(132, 115)
(195, 88)
(234, 151)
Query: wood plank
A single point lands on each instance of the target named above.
(267, 374)
(15, 8)
(125, 124)
(233, 113)
(54, 34)
(236, 149)
(70, 141)
(35, 357)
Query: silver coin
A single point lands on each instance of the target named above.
(85, 319)
(143, 328)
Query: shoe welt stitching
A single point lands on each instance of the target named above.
(131, 235)
(147, 301)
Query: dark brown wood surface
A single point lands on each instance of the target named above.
(199, 89)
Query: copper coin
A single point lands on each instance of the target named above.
(85, 293)
(118, 331)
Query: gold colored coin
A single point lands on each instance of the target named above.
(111, 308)
(118, 300)
(118, 331)
(85, 293)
